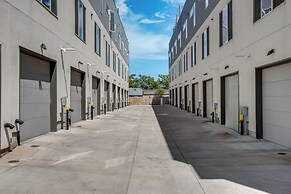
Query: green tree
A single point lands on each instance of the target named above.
(160, 92)
(163, 81)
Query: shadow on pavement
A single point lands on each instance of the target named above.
(216, 153)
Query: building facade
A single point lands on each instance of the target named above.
(57, 56)
(233, 58)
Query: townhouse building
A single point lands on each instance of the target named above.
(58, 57)
(232, 59)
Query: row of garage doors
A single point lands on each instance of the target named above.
(38, 95)
(273, 102)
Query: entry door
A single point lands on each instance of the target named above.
(35, 96)
(276, 96)
(208, 99)
(77, 96)
(231, 102)
(96, 95)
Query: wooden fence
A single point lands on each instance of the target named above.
(148, 100)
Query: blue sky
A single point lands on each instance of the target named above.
(149, 26)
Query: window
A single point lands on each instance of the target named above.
(80, 20)
(263, 7)
(193, 55)
(172, 53)
(185, 28)
(101, 6)
(176, 50)
(97, 40)
(176, 71)
(194, 14)
(122, 72)
(186, 62)
(180, 67)
(114, 61)
(206, 3)
(225, 24)
(50, 5)
(107, 54)
(179, 40)
(205, 43)
(118, 66)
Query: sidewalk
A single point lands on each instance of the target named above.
(135, 151)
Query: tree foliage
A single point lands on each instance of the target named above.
(148, 82)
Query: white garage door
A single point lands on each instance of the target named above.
(34, 96)
(276, 85)
(231, 102)
(196, 97)
(209, 98)
(96, 96)
(76, 96)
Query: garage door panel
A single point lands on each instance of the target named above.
(276, 85)
(231, 102)
(278, 88)
(280, 119)
(196, 96)
(76, 97)
(277, 134)
(277, 73)
(209, 94)
(274, 104)
(34, 128)
(35, 96)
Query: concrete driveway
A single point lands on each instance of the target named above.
(144, 149)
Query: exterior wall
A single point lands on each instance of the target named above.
(27, 24)
(243, 54)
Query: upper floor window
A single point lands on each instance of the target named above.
(101, 6)
(114, 61)
(263, 7)
(193, 55)
(179, 40)
(97, 40)
(206, 3)
(186, 61)
(80, 20)
(185, 28)
(50, 5)
(205, 43)
(225, 24)
(107, 54)
(118, 66)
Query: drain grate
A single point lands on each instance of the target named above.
(35, 146)
(282, 153)
(13, 161)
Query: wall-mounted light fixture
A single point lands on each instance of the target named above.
(67, 49)
(80, 63)
(42, 46)
(226, 67)
(194, 78)
(205, 74)
(271, 52)
(243, 56)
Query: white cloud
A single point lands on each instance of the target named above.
(144, 44)
(123, 8)
(149, 21)
(160, 15)
(174, 1)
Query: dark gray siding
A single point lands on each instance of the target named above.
(105, 21)
(201, 16)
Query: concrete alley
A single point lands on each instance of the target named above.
(144, 149)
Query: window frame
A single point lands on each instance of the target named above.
(77, 32)
(206, 32)
(49, 9)
(229, 19)
(257, 9)
(99, 29)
